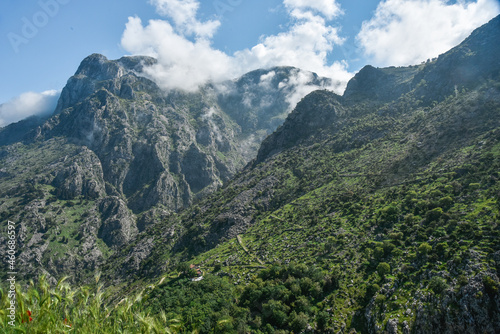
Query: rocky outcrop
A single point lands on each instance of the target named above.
(471, 309)
(118, 225)
(315, 112)
(380, 84)
(82, 175)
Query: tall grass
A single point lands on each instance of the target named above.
(65, 309)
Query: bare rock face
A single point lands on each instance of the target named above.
(198, 169)
(144, 139)
(474, 311)
(80, 176)
(119, 154)
(118, 224)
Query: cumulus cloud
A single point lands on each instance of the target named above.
(305, 45)
(28, 104)
(183, 13)
(185, 62)
(299, 85)
(405, 32)
(329, 8)
(182, 63)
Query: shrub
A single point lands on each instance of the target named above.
(434, 214)
(442, 248)
(388, 247)
(389, 213)
(474, 186)
(462, 280)
(378, 253)
(383, 269)
(446, 202)
(330, 244)
(424, 248)
(380, 299)
(438, 284)
(396, 236)
(371, 290)
(490, 285)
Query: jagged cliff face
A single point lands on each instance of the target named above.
(154, 148)
(127, 154)
(168, 148)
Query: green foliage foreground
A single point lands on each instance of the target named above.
(284, 297)
(65, 309)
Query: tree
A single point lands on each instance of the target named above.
(298, 322)
(438, 284)
(322, 320)
(383, 269)
(490, 285)
(275, 312)
(424, 249)
(434, 214)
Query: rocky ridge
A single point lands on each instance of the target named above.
(127, 154)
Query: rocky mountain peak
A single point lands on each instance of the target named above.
(313, 112)
(96, 72)
(98, 67)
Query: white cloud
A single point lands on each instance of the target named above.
(299, 85)
(186, 64)
(181, 63)
(404, 32)
(305, 45)
(183, 13)
(328, 8)
(266, 79)
(28, 104)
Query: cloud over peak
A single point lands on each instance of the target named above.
(188, 63)
(182, 63)
(405, 32)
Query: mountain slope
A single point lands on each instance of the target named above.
(392, 196)
(119, 153)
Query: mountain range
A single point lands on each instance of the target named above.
(375, 211)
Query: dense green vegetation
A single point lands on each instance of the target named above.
(387, 227)
(394, 243)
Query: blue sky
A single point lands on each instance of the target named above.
(43, 41)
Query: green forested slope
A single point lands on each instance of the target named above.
(392, 198)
